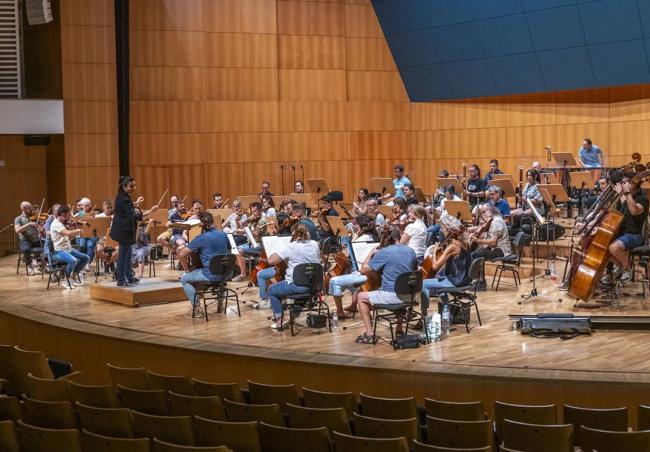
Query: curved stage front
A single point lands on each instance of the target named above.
(492, 362)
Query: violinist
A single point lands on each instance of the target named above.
(389, 260)
(325, 209)
(491, 237)
(398, 218)
(217, 201)
(454, 260)
(268, 207)
(173, 204)
(530, 191)
(173, 238)
(235, 223)
(434, 231)
(197, 208)
(495, 198)
(372, 210)
(26, 226)
(359, 205)
(258, 227)
(51, 217)
(283, 215)
(475, 186)
(409, 194)
(86, 244)
(415, 233)
(63, 251)
(107, 209)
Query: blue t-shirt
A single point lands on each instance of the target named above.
(591, 158)
(391, 262)
(175, 217)
(208, 245)
(490, 175)
(398, 184)
(502, 206)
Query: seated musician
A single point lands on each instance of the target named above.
(475, 186)
(434, 231)
(599, 188)
(364, 231)
(87, 244)
(372, 210)
(399, 216)
(63, 251)
(283, 215)
(173, 204)
(51, 217)
(234, 224)
(211, 242)
(301, 250)
(531, 192)
(107, 209)
(415, 233)
(452, 266)
(217, 201)
(299, 187)
(389, 260)
(495, 242)
(268, 207)
(258, 227)
(495, 198)
(141, 249)
(325, 209)
(409, 194)
(173, 238)
(634, 207)
(266, 189)
(359, 204)
(494, 169)
(25, 226)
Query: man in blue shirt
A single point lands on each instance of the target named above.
(591, 155)
(494, 169)
(495, 198)
(210, 243)
(399, 181)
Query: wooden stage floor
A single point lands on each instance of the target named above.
(494, 347)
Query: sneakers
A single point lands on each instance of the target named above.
(134, 280)
(626, 276)
(262, 304)
(67, 286)
(239, 278)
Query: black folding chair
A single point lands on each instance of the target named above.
(211, 292)
(463, 298)
(55, 268)
(511, 262)
(311, 276)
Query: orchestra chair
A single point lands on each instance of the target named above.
(162, 446)
(311, 276)
(102, 396)
(538, 438)
(455, 411)
(36, 253)
(467, 434)
(115, 422)
(59, 415)
(612, 419)
(335, 419)
(372, 427)
(383, 408)
(55, 268)
(130, 377)
(230, 391)
(92, 442)
(511, 262)
(11, 408)
(463, 298)
(176, 383)
(285, 439)
(207, 407)
(614, 441)
(530, 414)
(36, 439)
(245, 412)
(640, 257)
(643, 418)
(421, 447)
(348, 443)
(336, 196)
(408, 286)
(263, 394)
(173, 429)
(322, 399)
(8, 439)
(238, 436)
(148, 401)
(223, 265)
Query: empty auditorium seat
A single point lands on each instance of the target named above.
(238, 436)
(242, 412)
(115, 422)
(207, 407)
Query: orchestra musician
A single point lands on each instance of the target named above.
(372, 210)
(434, 231)
(266, 189)
(359, 205)
(210, 243)
(591, 156)
(86, 244)
(475, 186)
(217, 201)
(601, 185)
(398, 217)
(107, 209)
(258, 226)
(173, 204)
(409, 194)
(415, 233)
(123, 228)
(495, 242)
(235, 223)
(283, 216)
(389, 260)
(26, 226)
(455, 260)
(268, 206)
(173, 238)
(399, 181)
(325, 209)
(51, 217)
(494, 169)
(142, 248)
(301, 250)
(530, 191)
(495, 198)
(61, 240)
(299, 187)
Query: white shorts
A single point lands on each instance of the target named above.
(383, 297)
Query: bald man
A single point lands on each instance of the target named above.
(30, 240)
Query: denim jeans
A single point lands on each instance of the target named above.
(433, 283)
(75, 260)
(198, 275)
(124, 270)
(87, 246)
(29, 249)
(281, 290)
(351, 281)
(434, 233)
(262, 277)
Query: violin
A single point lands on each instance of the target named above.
(481, 230)
(35, 217)
(289, 222)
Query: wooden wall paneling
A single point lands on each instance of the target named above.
(531, 110)
(166, 83)
(526, 143)
(629, 137)
(167, 148)
(90, 116)
(570, 136)
(310, 18)
(97, 182)
(168, 117)
(241, 50)
(380, 145)
(435, 115)
(167, 48)
(629, 103)
(335, 172)
(376, 86)
(370, 54)
(364, 171)
(311, 52)
(241, 16)
(190, 180)
(239, 84)
(378, 116)
(84, 44)
(478, 143)
(361, 22)
(482, 114)
(89, 81)
(151, 182)
(98, 13)
(583, 107)
(312, 85)
(241, 116)
(435, 144)
(91, 149)
(313, 116)
(242, 147)
(234, 179)
(313, 146)
(168, 14)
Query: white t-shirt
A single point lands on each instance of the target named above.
(443, 211)
(270, 212)
(60, 241)
(299, 252)
(418, 233)
(499, 229)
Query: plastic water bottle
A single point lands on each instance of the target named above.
(335, 320)
(552, 270)
(446, 319)
(428, 329)
(436, 320)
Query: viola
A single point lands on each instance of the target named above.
(341, 262)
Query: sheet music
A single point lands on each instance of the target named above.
(250, 236)
(233, 245)
(361, 251)
(274, 244)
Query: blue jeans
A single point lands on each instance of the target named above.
(198, 275)
(434, 232)
(433, 283)
(351, 281)
(75, 260)
(87, 246)
(281, 290)
(262, 277)
(124, 271)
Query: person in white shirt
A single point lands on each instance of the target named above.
(372, 211)
(268, 205)
(434, 231)
(415, 233)
(495, 242)
(63, 251)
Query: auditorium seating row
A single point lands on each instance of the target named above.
(144, 410)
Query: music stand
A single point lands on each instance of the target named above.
(565, 160)
(548, 178)
(539, 221)
(383, 185)
(506, 185)
(337, 226)
(341, 211)
(89, 229)
(348, 207)
(501, 176)
(386, 211)
(305, 198)
(444, 181)
(459, 209)
(318, 188)
(557, 192)
(419, 195)
(221, 213)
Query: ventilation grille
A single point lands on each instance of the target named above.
(9, 50)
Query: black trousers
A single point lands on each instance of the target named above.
(29, 248)
(487, 253)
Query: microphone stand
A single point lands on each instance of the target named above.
(302, 169)
(293, 168)
(282, 178)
